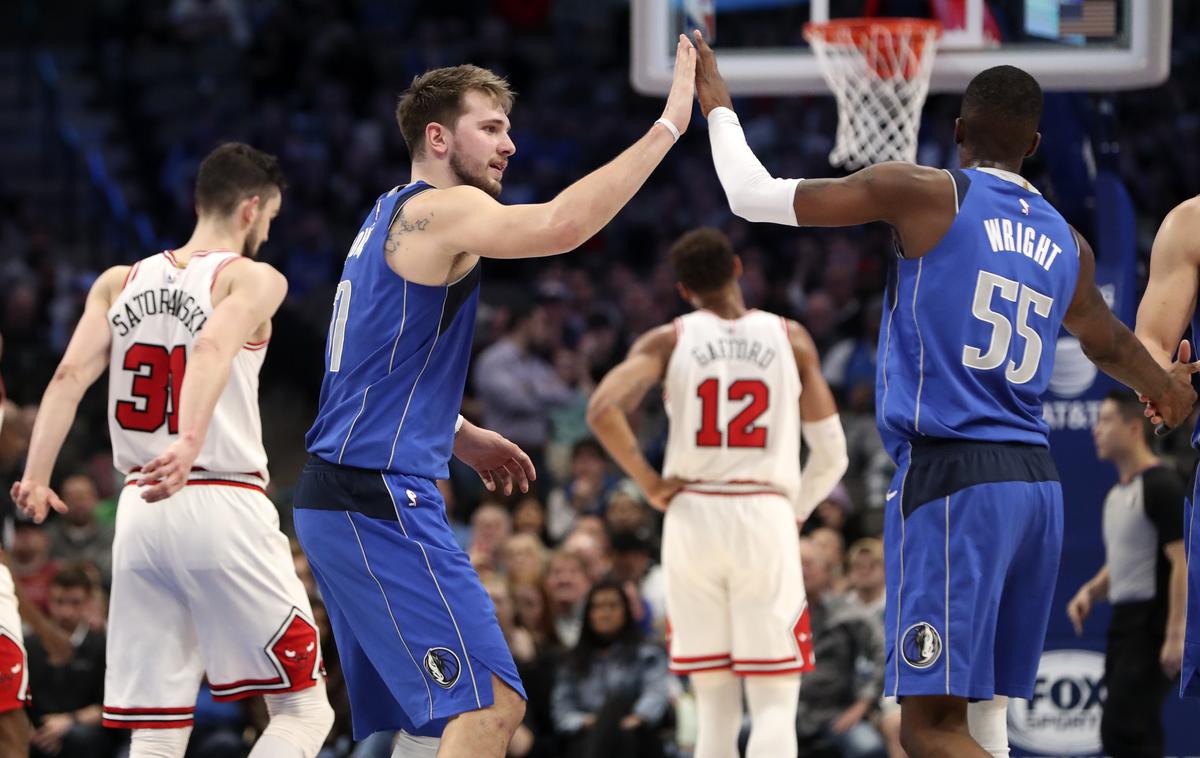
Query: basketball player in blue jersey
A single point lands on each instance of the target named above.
(1167, 306)
(986, 273)
(416, 632)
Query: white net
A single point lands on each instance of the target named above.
(879, 72)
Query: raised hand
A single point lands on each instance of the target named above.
(678, 109)
(710, 86)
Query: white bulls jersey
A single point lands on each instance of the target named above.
(732, 394)
(154, 322)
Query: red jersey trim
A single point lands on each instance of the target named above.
(254, 687)
(701, 659)
(147, 724)
(763, 661)
(211, 482)
(130, 274)
(713, 493)
(220, 267)
(776, 672)
(685, 671)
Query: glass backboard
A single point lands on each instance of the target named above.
(1065, 44)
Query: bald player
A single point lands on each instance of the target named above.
(985, 274)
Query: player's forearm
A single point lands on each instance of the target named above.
(752, 192)
(612, 429)
(589, 204)
(1097, 586)
(54, 419)
(1123, 357)
(1177, 599)
(207, 373)
(827, 462)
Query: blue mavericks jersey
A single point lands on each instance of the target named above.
(395, 360)
(969, 330)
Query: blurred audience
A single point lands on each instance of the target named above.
(612, 692)
(77, 535)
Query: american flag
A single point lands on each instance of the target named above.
(1087, 18)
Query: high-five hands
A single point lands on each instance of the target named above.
(710, 86)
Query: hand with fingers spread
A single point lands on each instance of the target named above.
(35, 499)
(496, 460)
(1174, 404)
(710, 85)
(678, 109)
(168, 473)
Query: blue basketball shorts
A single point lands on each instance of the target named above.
(972, 537)
(1189, 676)
(416, 632)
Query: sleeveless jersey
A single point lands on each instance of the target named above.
(969, 330)
(395, 361)
(154, 322)
(732, 394)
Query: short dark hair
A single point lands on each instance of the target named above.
(232, 173)
(1001, 109)
(587, 445)
(74, 577)
(437, 97)
(703, 260)
(1131, 409)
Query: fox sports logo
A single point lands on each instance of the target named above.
(1063, 716)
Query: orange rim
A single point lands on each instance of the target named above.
(864, 28)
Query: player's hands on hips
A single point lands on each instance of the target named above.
(494, 458)
(168, 473)
(1177, 401)
(1171, 656)
(659, 491)
(36, 499)
(1079, 608)
(710, 86)
(678, 109)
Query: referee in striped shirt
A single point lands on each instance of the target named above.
(1144, 577)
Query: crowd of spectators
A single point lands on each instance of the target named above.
(572, 566)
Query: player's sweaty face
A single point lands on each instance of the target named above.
(482, 145)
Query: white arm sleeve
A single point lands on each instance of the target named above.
(752, 192)
(826, 463)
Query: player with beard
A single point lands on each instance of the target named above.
(416, 631)
(203, 581)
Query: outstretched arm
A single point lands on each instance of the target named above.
(619, 393)
(85, 359)
(255, 292)
(579, 211)
(1170, 297)
(821, 428)
(917, 200)
(1115, 350)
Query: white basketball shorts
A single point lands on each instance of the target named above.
(735, 595)
(203, 585)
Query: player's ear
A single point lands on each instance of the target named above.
(959, 130)
(436, 141)
(249, 209)
(1033, 146)
(684, 292)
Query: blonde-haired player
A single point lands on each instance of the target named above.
(737, 383)
(203, 581)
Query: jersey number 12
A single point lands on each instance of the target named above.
(741, 431)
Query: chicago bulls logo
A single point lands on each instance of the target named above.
(297, 650)
(14, 678)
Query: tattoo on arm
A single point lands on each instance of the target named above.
(401, 227)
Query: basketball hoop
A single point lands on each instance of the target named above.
(878, 69)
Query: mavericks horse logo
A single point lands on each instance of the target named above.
(443, 666)
(921, 645)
